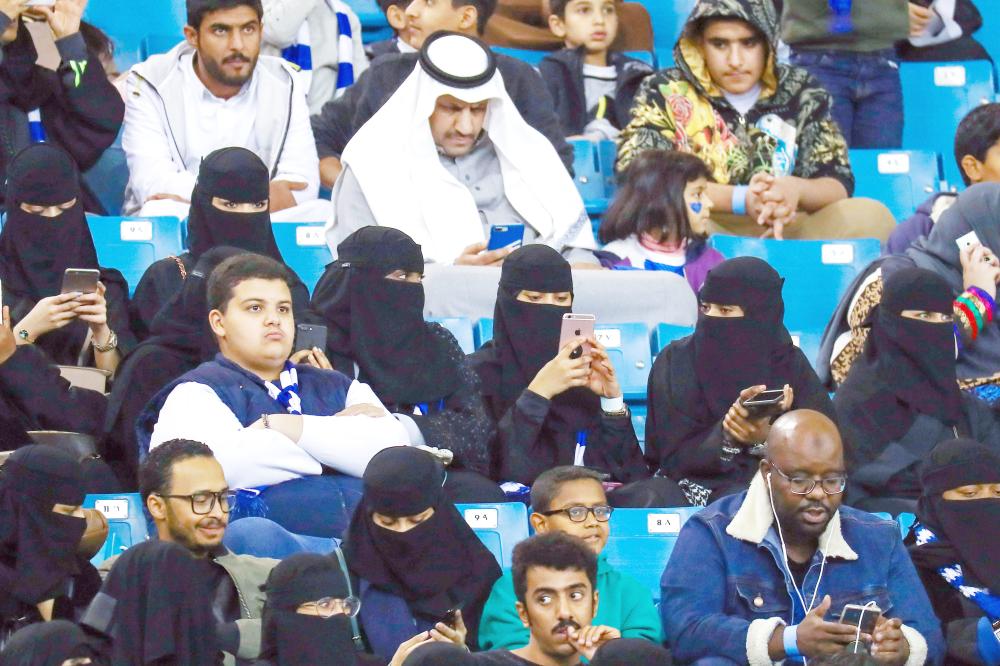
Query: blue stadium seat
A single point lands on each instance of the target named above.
(303, 247)
(127, 524)
(668, 18)
(374, 25)
(155, 44)
(131, 244)
(901, 179)
(989, 34)
(628, 347)
(593, 164)
(906, 522)
(461, 328)
(484, 331)
(641, 542)
(531, 56)
(936, 96)
(647, 57)
(499, 526)
(664, 334)
(816, 275)
(128, 21)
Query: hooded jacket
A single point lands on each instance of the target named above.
(788, 132)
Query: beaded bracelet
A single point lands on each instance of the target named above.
(968, 321)
(988, 302)
(969, 305)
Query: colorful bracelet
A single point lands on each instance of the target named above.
(970, 304)
(988, 301)
(968, 321)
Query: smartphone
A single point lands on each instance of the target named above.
(577, 326)
(450, 618)
(968, 239)
(765, 403)
(308, 336)
(506, 235)
(80, 279)
(867, 615)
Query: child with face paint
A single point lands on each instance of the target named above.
(659, 218)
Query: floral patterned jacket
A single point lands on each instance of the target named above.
(789, 131)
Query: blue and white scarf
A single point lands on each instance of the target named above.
(300, 53)
(288, 395)
(35, 130)
(952, 574)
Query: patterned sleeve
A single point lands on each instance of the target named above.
(652, 125)
(822, 150)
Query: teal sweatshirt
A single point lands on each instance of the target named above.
(624, 604)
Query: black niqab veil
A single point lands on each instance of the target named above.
(46, 644)
(39, 544)
(437, 565)
(36, 250)
(526, 337)
(291, 638)
(239, 176)
(907, 366)
(733, 353)
(967, 530)
(379, 323)
(156, 604)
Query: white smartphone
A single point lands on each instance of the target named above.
(968, 239)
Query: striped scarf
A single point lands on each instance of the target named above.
(953, 575)
(288, 395)
(300, 53)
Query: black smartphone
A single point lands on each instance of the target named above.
(450, 618)
(765, 403)
(308, 336)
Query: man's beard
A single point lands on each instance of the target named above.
(215, 70)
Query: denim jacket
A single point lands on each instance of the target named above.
(726, 588)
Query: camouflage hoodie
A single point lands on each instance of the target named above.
(789, 131)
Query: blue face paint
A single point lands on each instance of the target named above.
(695, 206)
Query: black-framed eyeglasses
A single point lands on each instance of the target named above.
(578, 514)
(803, 485)
(203, 503)
(327, 607)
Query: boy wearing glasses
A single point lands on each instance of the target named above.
(763, 576)
(571, 500)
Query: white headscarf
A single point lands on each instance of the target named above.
(395, 160)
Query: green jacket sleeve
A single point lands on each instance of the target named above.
(640, 619)
(500, 628)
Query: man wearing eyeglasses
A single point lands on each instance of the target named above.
(571, 500)
(185, 492)
(763, 576)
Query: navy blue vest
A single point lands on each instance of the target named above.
(323, 393)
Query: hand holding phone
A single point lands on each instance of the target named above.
(506, 236)
(82, 280)
(765, 404)
(308, 336)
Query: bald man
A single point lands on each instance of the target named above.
(763, 576)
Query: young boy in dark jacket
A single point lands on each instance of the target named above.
(592, 86)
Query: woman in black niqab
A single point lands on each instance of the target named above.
(696, 380)
(38, 546)
(901, 395)
(425, 571)
(180, 341)
(155, 609)
(36, 249)
(229, 207)
(533, 433)
(373, 306)
(951, 545)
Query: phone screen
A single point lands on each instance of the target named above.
(868, 617)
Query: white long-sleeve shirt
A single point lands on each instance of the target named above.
(253, 457)
(172, 123)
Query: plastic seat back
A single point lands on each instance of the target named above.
(591, 175)
(642, 540)
(639, 424)
(664, 334)
(628, 347)
(127, 524)
(461, 328)
(484, 331)
(668, 17)
(936, 96)
(906, 522)
(127, 22)
(303, 247)
(531, 56)
(901, 179)
(132, 244)
(816, 272)
(499, 526)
